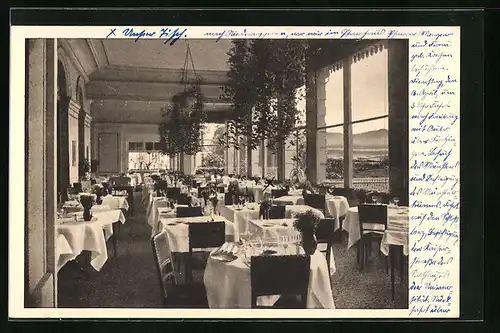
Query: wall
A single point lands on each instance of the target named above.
(73, 136)
(40, 281)
(126, 133)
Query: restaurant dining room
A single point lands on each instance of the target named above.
(228, 174)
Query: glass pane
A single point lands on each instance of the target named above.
(371, 154)
(147, 161)
(295, 156)
(156, 146)
(132, 146)
(334, 156)
(369, 92)
(334, 98)
(301, 106)
(149, 146)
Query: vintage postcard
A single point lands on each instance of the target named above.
(230, 172)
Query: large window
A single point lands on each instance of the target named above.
(369, 121)
(212, 154)
(295, 147)
(146, 156)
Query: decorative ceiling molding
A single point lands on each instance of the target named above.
(164, 75)
(70, 53)
(140, 91)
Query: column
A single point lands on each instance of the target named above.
(41, 172)
(311, 124)
(348, 145)
(256, 162)
(398, 118)
(322, 77)
(290, 152)
(263, 158)
(188, 164)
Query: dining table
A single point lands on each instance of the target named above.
(395, 234)
(228, 283)
(335, 206)
(177, 232)
(74, 235)
(241, 214)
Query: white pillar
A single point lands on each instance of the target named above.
(348, 147)
(322, 77)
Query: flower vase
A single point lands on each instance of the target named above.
(86, 201)
(87, 214)
(309, 242)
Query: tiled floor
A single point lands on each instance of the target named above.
(130, 280)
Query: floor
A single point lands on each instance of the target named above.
(129, 280)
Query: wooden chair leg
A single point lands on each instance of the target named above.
(391, 254)
(401, 264)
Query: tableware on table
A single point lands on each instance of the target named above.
(268, 225)
(396, 200)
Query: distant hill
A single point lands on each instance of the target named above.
(378, 139)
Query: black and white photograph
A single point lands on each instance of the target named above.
(241, 173)
(229, 172)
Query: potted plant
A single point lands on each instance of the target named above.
(87, 201)
(306, 223)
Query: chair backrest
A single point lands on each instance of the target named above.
(315, 201)
(204, 235)
(279, 193)
(184, 199)
(220, 189)
(228, 199)
(78, 187)
(277, 212)
(325, 230)
(163, 261)
(189, 211)
(173, 192)
(341, 191)
(120, 181)
(373, 214)
(280, 275)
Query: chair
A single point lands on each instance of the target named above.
(279, 193)
(163, 263)
(277, 212)
(184, 199)
(280, 275)
(342, 192)
(78, 187)
(189, 211)
(228, 199)
(173, 193)
(203, 235)
(315, 201)
(324, 233)
(120, 181)
(372, 225)
(220, 189)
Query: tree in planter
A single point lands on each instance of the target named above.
(263, 78)
(182, 124)
(239, 92)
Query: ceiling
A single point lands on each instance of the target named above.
(206, 54)
(130, 82)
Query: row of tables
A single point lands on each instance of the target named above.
(74, 237)
(228, 283)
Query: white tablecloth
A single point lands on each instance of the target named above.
(241, 217)
(228, 285)
(351, 225)
(115, 202)
(163, 212)
(290, 200)
(255, 189)
(86, 236)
